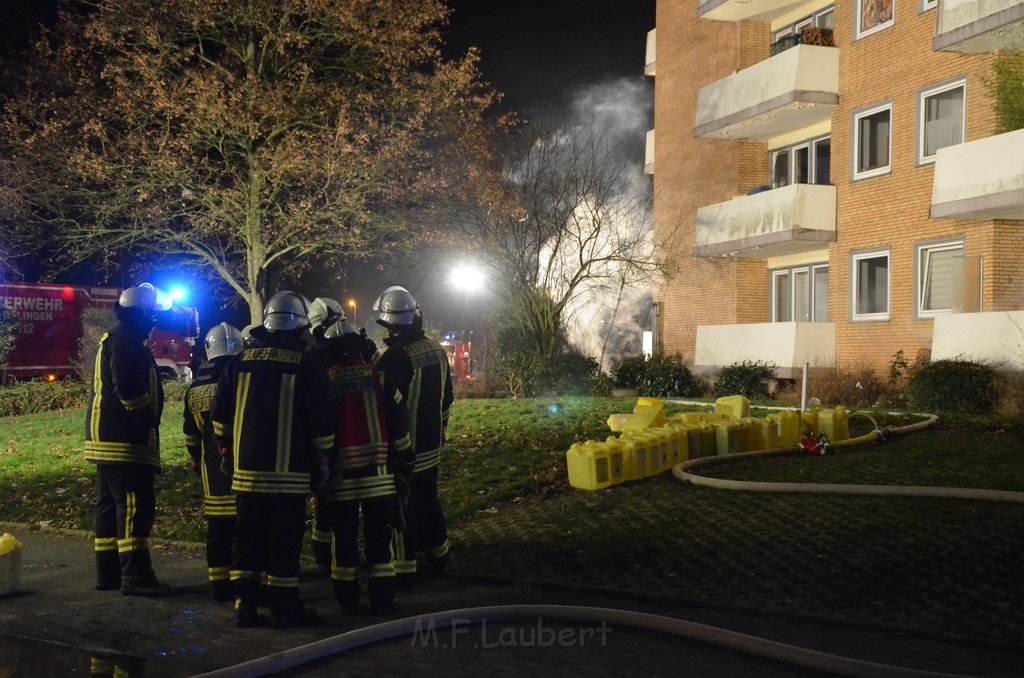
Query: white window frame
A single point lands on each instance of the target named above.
(921, 281)
(855, 258)
(928, 4)
(790, 273)
(857, 9)
(922, 97)
(857, 117)
(810, 145)
(815, 19)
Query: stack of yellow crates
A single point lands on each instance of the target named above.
(651, 443)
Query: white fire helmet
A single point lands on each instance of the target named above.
(247, 338)
(324, 311)
(144, 297)
(396, 307)
(340, 329)
(285, 311)
(223, 340)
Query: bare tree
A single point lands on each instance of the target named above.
(240, 134)
(565, 218)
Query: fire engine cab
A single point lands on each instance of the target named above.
(51, 324)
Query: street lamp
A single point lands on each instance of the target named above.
(352, 305)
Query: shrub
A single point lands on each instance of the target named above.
(669, 377)
(1010, 394)
(517, 372)
(31, 397)
(629, 372)
(745, 379)
(601, 385)
(568, 373)
(854, 387)
(952, 386)
(1005, 84)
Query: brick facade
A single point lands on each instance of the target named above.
(888, 212)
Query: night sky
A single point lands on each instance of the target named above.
(537, 52)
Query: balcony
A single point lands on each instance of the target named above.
(979, 26)
(746, 10)
(789, 91)
(651, 53)
(997, 338)
(982, 179)
(786, 345)
(649, 153)
(787, 220)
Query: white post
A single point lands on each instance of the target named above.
(803, 389)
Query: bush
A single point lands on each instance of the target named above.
(1010, 394)
(854, 387)
(745, 379)
(517, 371)
(952, 386)
(629, 372)
(669, 377)
(31, 397)
(568, 373)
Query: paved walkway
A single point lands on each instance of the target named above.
(56, 623)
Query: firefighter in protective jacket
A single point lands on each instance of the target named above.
(274, 420)
(323, 313)
(371, 441)
(223, 342)
(122, 438)
(419, 368)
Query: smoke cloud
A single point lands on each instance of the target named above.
(607, 319)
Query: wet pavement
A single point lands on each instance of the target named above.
(56, 624)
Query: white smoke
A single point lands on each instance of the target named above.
(607, 319)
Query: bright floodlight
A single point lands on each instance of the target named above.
(177, 293)
(467, 277)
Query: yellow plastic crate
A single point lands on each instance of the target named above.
(588, 465)
(735, 406)
(835, 423)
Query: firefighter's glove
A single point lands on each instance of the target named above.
(196, 469)
(319, 474)
(403, 481)
(227, 462)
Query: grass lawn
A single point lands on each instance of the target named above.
(947, 566)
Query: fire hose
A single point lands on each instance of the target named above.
(682, 472)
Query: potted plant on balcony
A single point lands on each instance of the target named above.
(812, 35)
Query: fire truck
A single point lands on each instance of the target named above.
(51, 324)
(459, 347)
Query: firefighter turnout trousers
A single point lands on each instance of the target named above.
(268, 540)
(124, 510)
(373, 492)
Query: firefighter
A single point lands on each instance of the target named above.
(419, 368)
(122, 438)
(371, 441)
(323, 313)
(222, 343)
(274, 421)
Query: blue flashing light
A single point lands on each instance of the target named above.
(178, 293)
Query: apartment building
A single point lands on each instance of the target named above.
(831, 183)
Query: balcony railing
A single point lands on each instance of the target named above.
(981, 179)
(996, 338)
(649, 153)
(744, 10)
(787, 92)
(652, 52)
(979, 26)
(788, 220)
(808, 36)
(786, 345)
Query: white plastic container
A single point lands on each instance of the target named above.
(10, 564)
